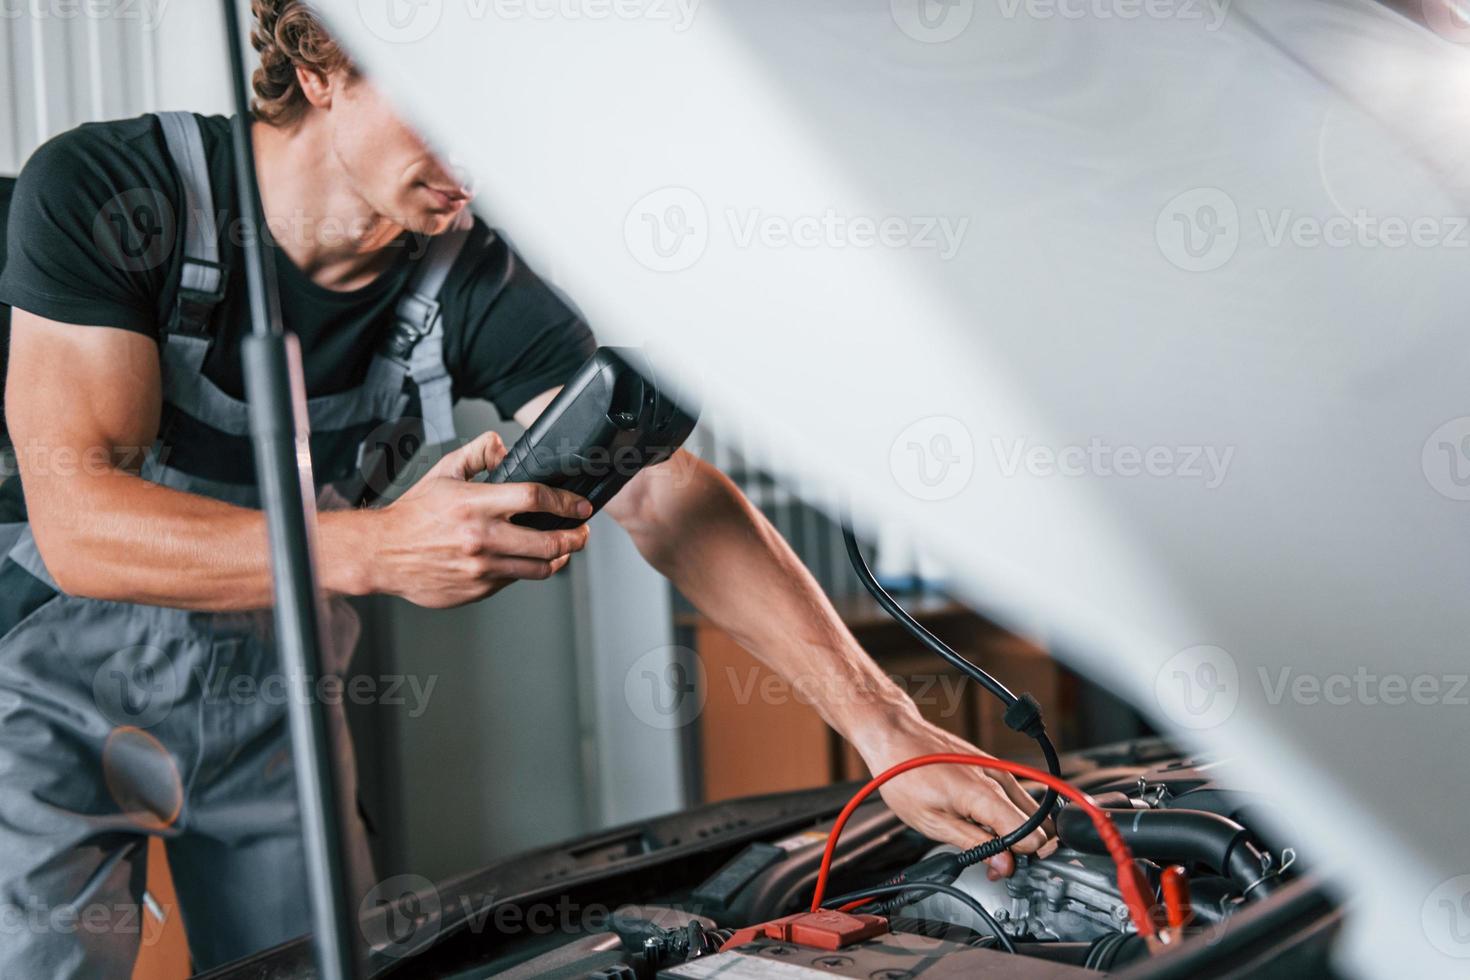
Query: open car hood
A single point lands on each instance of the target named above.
(1045, 289)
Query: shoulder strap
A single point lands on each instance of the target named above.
(417, 339)
(201, 286)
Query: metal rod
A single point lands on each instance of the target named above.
(278, 426)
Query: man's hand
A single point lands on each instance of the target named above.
(959, 805)
(447, 541)
(694, 525)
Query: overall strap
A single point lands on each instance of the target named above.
(417, 339)
(202, 283)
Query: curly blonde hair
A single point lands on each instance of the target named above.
(288, 35)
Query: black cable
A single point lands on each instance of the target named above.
(969, 901)
(1023, 714)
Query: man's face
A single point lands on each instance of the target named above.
(389, 166)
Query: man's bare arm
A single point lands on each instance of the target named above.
(83, 404)
(694, 525)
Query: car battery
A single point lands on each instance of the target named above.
(895, 956)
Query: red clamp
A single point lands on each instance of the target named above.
(828, 929)
(1175, 884)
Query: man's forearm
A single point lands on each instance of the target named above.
(696, 527)
(116, 536)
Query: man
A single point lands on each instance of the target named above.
(158, 561)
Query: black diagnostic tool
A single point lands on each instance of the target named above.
(605, 426)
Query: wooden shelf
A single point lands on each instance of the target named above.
(757, 734)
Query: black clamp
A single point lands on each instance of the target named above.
(1024, 715)
(193, 307)
(413, 320)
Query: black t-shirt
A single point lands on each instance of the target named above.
(93, 240)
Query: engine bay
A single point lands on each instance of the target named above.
(1060, 916)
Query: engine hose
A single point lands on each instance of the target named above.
(1115, 949)
(1189, 836)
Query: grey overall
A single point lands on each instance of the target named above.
(122, 721)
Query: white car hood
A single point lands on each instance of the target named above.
(932, 255)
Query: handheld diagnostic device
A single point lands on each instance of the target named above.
(608, 424)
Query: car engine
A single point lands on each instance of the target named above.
(1057, 917)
